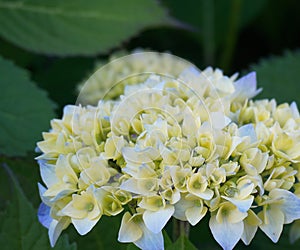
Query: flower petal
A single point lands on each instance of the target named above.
(273, 220)
(83, 226)
(44, 215)
(55, 229)
(251, 223)
(156, 220)
(290, 206)
(242, 205)
(150, 240)
(245, 87)
(129, 230)
(195, 214)
(47, 173)
(219, 120)
(225, 233)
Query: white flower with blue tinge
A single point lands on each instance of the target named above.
(185, 147)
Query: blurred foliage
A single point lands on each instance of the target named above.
(278, 73)
(48, 47)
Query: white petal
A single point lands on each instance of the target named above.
(290, 206)
(273, 223)
(219, 120)
(249, 233)
(242, 205)
(248, 130)
(150, 240)
(180, 207)
(136, 156)
(42, 190)
(245, 87)
(206, 195)
(251, 223)
(47, 173)
(156, 220)
(295, 110)
(175, 197)
(195, 214)
(226, 234)
(130, 186)
(129, 230)
(55, 229)
(83, 226)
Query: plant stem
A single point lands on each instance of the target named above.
(180, 228)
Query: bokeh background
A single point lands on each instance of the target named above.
(48, 47)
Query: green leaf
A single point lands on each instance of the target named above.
(182, 243)
(25, 110)
(279, 77)
(27, 171)
(20, 229)
(76, 27)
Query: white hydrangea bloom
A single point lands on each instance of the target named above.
(187, 146)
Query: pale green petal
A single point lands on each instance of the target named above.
(156, 220)
(230, 213)
(129, 230)
(70, 211)
(225, 233)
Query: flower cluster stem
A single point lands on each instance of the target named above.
(180, 228)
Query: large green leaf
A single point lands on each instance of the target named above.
(279, 77)
(25, 110)
(20, 229)
(26, 171)
(77, 26)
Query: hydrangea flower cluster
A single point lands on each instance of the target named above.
(121, 70)
(186, 147)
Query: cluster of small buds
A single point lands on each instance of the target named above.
(182, 147)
